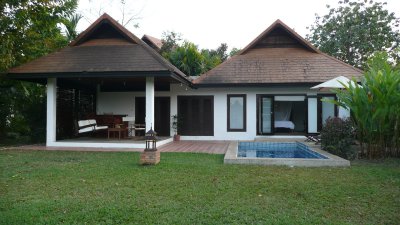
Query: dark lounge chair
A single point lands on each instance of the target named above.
(313, 138)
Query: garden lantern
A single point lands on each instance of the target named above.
(151, 140)
(150, 155)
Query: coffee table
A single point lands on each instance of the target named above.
(116, 130)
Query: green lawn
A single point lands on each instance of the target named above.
(39, 187)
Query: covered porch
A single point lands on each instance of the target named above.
(117, 104)
(105, 75)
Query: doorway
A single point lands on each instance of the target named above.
(162, 114)
(196, 115)
(265, 116)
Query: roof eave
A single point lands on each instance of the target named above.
(221, 85)
(106, 74)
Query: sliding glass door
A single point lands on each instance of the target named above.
(265, 114)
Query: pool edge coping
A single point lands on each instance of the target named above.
(331, 161)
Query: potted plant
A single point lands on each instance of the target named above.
(175, 127)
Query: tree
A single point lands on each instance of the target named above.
(220, 52)
(354, 30)
(170, 40)
(234, 51)
(128, 15)
(188, 57)
(211, 59)
(28, 29)
(70, 24)
(375, 108)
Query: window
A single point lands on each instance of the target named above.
(236, 112)
(326, 109)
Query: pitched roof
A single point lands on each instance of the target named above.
(278, 56)
(153, 42)
(105, 46)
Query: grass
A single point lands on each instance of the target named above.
(38, 187)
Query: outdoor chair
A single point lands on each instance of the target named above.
(140, 128)
(315, 138)
(89, 126)
(129, 120)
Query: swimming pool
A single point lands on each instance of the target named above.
(295, 150)
(290, 153)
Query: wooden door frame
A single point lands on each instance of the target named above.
(258, 104)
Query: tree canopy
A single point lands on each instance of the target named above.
(356, 29)
(188, 57)
(28, 29)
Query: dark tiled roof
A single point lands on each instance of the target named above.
(152, 41)
(94, 58)
(106, 46)
(278, 56)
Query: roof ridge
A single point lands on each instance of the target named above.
(274, 25)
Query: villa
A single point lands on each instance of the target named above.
(108, 74)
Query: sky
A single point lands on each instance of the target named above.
(208, 23)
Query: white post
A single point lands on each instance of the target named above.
(312, 114)
(51, 111)
(149, 103)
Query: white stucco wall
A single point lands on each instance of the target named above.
(124, 103)
(313, 115)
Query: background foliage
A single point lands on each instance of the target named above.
(375, 108)
(189, 58)
(354, 30)
(28, 29)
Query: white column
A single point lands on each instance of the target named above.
(149, 103)
(51, 111)
(312, 115)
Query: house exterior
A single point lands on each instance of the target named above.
(263, 90)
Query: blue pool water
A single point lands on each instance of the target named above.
(277, 150)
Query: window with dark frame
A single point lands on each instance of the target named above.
(236, 113)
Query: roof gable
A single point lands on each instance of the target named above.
(277, 56)
(105, 27)
(105, 46)
(279, 35)
(155, 43)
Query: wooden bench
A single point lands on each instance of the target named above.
(89, 126)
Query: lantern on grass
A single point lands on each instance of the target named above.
(150, 155)
(151, 140)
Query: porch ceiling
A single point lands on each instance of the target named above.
(94, 78)
(116, 84)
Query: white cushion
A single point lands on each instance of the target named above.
(101, 127)
(128, 119)
(83, 123)
(92, 122)
(86, 129)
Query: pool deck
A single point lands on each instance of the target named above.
(331, 161)
(210, 147)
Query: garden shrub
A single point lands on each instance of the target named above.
(337, 137)
(375, 109)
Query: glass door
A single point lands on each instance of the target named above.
(265, 115)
